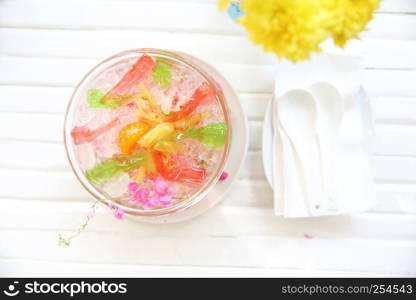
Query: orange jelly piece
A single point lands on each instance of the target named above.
(129, 135)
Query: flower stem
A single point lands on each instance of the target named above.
(66, 241)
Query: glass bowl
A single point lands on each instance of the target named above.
(224, 95)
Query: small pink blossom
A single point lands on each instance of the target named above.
(308, 237)
(161, 186)
(166, 200)
(147, 205)
(142, 195)
(154, 200)
(161, 196)
(132, 187)
(91, 215)
(110, 205)
(119, 213)
(161, 199)
(223, 176)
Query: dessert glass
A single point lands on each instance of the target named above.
(224, 95)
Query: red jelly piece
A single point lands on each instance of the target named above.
(83, 134)
(190, 175)
(141, 70)
(179, 174)
(204, 94)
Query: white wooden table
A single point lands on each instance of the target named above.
(45, 48)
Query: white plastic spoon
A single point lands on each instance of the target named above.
(298, 117)
(330, 106)
(288, 198)
(278, 162)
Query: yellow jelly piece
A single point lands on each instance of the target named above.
(147, 108)
(149, 116)
(139, 174)
(149, 163)
(147, 96)
(157, 133)
(168, 147)
(191, 121)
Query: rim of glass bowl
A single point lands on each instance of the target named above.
(77, 95)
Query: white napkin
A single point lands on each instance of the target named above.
(352, 178)
(341, 70)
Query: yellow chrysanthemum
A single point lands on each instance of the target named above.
(295, 28)
(349, 17)
(289, 28)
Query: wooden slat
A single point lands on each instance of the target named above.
(35, 158)
(398, 6)
(403, 167)
(192, 17)
(391, 198)
(234, 49)
(386, 6)
(399, 52)
(103, 43)
(390, 138)
(49, 181)
(183, 16)
(40, 99)
(46, 127)
(379, 83)
(67, 72)
(21, 99)
(56, 186)
(22, 70)
(226, 251)
(386, 168)
(30, 99)
(39, 268)
(64, 216)
(391, 26)
(394, 109)
(394, 140)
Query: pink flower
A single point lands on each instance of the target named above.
(161, 196)
(136, 195)
(142, 195)
(166, 200)
(154, 200)
(119, 213)
(132, 187)
(161, 186)
(223, 176)
(147, 205)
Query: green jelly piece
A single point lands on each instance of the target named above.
(93, 97)
(162, 75)
(114, 166)
(212, 135)
(95, 100)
